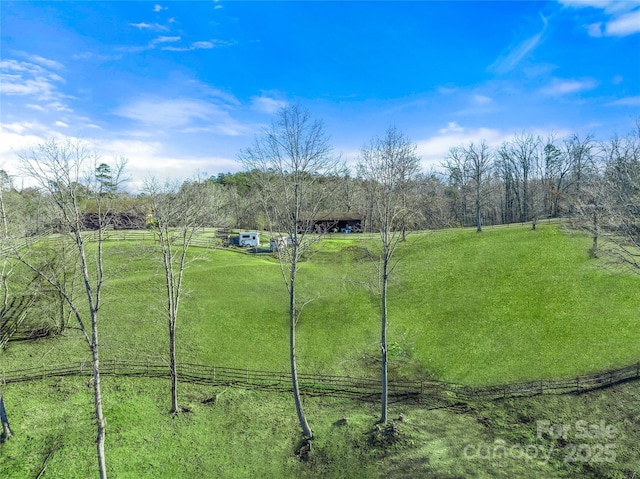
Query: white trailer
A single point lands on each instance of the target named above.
(249, 238)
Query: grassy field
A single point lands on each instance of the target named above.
(249, 434)
(507, 304)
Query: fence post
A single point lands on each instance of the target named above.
(638, 369)
(541, 387)
(578, 384)
(247, 375)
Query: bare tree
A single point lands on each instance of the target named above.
(67, 172)
(6, 271)
(456, 166)
(178, 212)
(580, 156)
(479, 158)
(7, 268)
(518, 158)
(386, 164)
(287, 162)
(620, 193)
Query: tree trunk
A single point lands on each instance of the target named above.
(478, 216)
(383, 344)
(100, 421)
(306, 430)
(173, 366)
(94, 305)
(6, 430)
(594, 248)
(478, 181)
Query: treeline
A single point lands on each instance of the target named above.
(524, 179)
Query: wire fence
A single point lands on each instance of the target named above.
(367, 389)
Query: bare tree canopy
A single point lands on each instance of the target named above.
(288, 162)
(620, 193)
(177, 213)
(74, 178)
(388, 166)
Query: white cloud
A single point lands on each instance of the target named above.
(595, 29)
(160, 41)
(153, 158)
(165, 39)
(166, 113)
(45, 62)
(510, 59)
(17, 136)
(58, 106)
(623, 16)
(628, 101)
(145, 157)
(23, 127)
(452, 127)
(95, 56)
(513, 55)
(36, 107)
(482, 99)
(608, 6)
(564, 87)
(20, 78)
(186, 115)
(150, 26)
(61, 124)
(267, 105)
(200, 45)
(206, 45)
(434, 150)
(159, 8)
(626, 24)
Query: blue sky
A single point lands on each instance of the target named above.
(181, 87)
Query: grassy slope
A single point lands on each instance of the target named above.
(512, 303)
(503, 305)
(247, 434)
(459, 310)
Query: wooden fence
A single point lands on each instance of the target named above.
(367, 389)
(13, 317)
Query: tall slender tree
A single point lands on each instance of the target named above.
(288, 161)
(386, 165)
(66, 171)
(177, 213)
(480, 159)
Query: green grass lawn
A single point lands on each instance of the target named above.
(514, 304)
(250, 434)
(507, 304)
